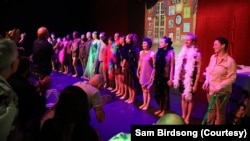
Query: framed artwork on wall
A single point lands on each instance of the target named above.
(178, 19)
(186, 2)
(171, 10)
(186, 27)
(178, 35)
(170, 23)
(150, 26)
(187, 12)
(175, 1)
(171, 35)
(149, 34)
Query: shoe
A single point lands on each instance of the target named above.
(75, 75)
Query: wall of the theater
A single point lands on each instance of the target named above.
(207, 19)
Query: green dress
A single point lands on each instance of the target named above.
(93, 52)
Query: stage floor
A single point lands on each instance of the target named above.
(120, 115)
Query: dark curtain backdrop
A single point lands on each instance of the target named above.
(228, 18)
(123, 16)
(61, 17)
(112, 16)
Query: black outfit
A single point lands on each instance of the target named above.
(133, 57)
(160, 80)
(124, 56)
(54, 129)
(31, 106)
(42, 54)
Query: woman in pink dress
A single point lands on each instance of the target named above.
(145, 71)
(60, 47)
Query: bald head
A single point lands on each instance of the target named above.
(97, 80)
(42, 32)
(170, 119)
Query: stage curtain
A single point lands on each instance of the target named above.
(112, 16)
(228, 18)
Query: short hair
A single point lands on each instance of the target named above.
(103, 38)
(222, 41)
(168, 41)
(75, 33)
(94, 32)
(102, 33)
(193, 37)
(8, 53)
(148, 40)
(53, 33)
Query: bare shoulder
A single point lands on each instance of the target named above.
(152, 53)
(171, 52)
(141, 52)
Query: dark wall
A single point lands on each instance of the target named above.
(123, 16)
(136, 18)
(61, 17)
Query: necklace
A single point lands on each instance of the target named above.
(190, 55)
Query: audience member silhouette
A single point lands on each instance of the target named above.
(71, 120)
(42, 55)
(31, 106)
(8, 98)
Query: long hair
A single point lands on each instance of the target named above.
(73, 105)
(72, 111)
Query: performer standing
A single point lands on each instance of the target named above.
(187, 73)
(220, 76)
(164, 71)
(145, 71)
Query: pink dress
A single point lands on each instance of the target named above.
(61, 54)
(146, 63)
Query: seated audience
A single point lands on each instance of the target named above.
(31, 105)
(8, 98)
(71, 121)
